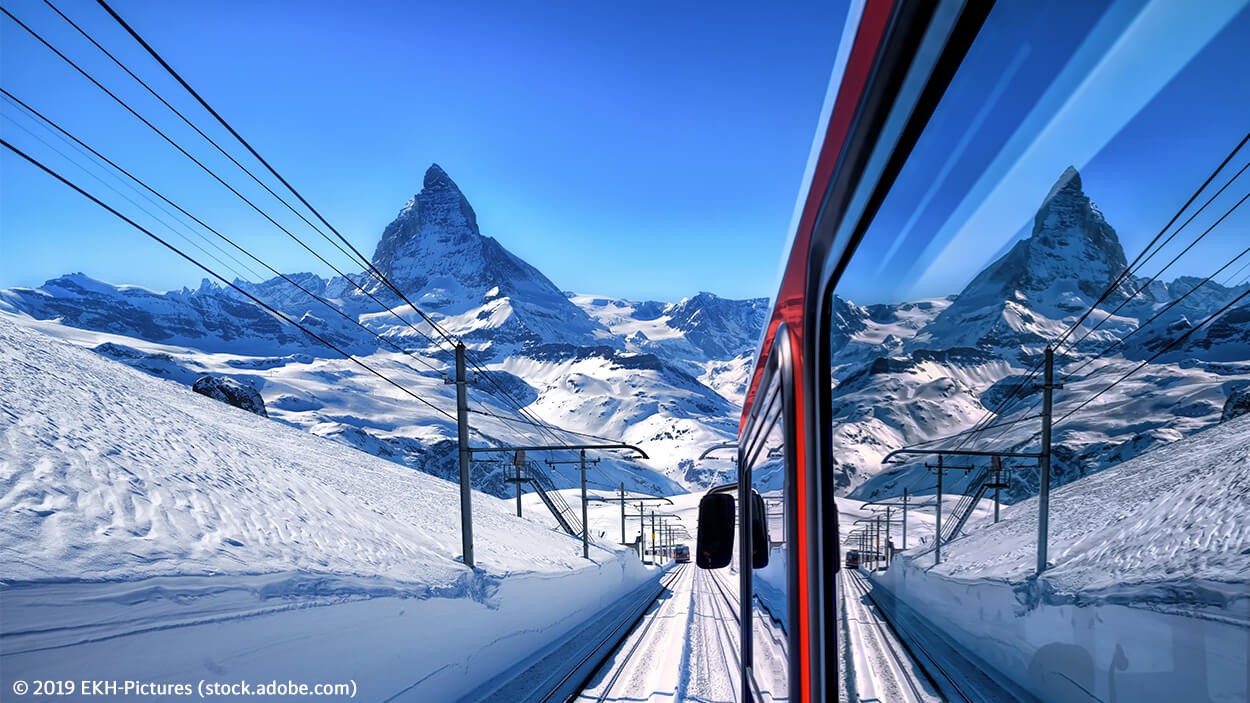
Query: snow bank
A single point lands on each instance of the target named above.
(1148, 596)
(155, 534)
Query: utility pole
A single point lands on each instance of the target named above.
(581, 465)
(1043, 497)
(462, 432)
(937, 538)
(520, 463)
(876, 533)
(642, 532)
(998, 481)
(652, 536)
(904, 519)
(887, 537)
(585, 523)
(622, 512)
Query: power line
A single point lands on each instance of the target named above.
(141, 208)
(1156, 316)
(1005, 423)
(221, 278)
(369, 264)
(194, 127)
(1157, 354)
(1115, 284)
(1124, 274)
(206, 226)
(1176, 258)
(248, 146)
(210, 172)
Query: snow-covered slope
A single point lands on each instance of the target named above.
(112, 474)
(153, 534)
(1171, 525)
(672, 381)
(910, 372)
(1147, 596)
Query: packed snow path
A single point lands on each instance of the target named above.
(893, 654)
(684, 649)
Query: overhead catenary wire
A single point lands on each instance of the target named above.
(1010, 398)
(1068, 375)
(1174, 259)
(1156, 316)
(1157, 354)
(1125, 273)
(216, 177)
(192, 125)
(204, 103)
(367, 263)
(211, 229)
(136, 205)
(273, 311)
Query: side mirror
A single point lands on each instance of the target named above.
(715, 540)
(760, 546)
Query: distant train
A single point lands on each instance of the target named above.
(852, 559)
(681, 554)
(779, 517)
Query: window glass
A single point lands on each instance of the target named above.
(1080, 185)
(770, 626)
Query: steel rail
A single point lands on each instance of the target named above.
(631, 621)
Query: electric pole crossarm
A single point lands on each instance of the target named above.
(560, 447)
(960, 452)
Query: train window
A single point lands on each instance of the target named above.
(1078, 187)
(770, 484)
(1070, 136)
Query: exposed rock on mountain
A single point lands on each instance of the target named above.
(434, 252)
(231, 392)
(1068, 261)
(1238, 404)
(671, 375)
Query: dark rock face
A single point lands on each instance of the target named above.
(232, 392)
(435, 253)
(719, 327)
(1072, 255)
(1238, 404)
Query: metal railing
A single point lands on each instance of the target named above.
(967, 503)
(551, 497)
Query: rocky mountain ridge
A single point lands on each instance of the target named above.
(670, 375)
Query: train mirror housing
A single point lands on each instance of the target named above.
(760, 545)
(714, 544)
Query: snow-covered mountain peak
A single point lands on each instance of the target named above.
(435, 253)
(1070, 257)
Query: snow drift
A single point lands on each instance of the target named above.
(156, 534)
(1148, 595)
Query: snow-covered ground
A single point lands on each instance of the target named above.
(154, 534)
(1148, 592)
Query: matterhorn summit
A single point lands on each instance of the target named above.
(434, 252)
(1032, 291)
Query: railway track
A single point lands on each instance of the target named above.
(913, 662)
(619, 659)
(687, 644)
(561, 673)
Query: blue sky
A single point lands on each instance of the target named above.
(645, 149)
(1144, 98)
